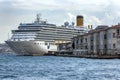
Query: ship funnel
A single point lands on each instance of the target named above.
(79, 20)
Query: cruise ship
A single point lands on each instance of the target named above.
(39, 37)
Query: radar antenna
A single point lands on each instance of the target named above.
(38, 17)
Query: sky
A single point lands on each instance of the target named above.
(95, 12)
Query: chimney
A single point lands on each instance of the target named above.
(91, 26)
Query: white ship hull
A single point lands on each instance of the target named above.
(30, 47)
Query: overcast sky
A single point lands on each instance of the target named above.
(95, 12)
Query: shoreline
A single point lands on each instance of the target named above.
(87, 56)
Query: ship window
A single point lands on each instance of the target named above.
(51, 44)
(45, 43)
(48, 47)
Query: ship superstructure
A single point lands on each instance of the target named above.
(40, 37)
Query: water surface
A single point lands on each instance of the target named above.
(57, 68)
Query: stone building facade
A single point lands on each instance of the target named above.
(102, 40)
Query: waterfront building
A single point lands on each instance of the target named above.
(102, 40)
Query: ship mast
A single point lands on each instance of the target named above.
(8, 36)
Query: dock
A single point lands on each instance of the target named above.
(90, 56)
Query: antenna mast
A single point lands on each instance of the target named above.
(8, 36)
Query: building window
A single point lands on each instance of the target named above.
(105, 36)
(113, 35)
(118, 32)
(91, 38)
(105, 46)
(86, 39)
(114, 45)
(91, 47)
(76, 41)
(81, 40)
(97, 46)
(86, 47)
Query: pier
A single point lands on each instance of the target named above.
(92, 56)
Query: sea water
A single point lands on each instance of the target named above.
(14, 67)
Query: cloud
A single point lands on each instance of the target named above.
(58, 4)
(1, 0)
(95, 12)
(71, 17)
(5, 31)
(96, 20)
(35, 4)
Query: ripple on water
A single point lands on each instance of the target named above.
(57, 68)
